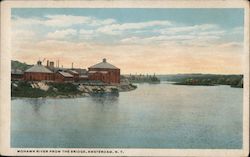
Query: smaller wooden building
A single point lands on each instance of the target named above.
(61, 76)
(75, 74)
(16, 74)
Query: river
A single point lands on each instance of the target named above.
(152, 116)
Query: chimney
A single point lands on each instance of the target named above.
(104, 60)
(51, 64)
(72, 65)
(39, 62)
(47, 63)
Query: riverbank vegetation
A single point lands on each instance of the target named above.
(63, 90)
(205, 79)
(142, 78)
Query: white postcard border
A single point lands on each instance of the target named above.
(5, 75)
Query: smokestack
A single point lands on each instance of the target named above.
(51, 64)
(72, 65)
(47, 63)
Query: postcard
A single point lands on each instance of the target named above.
(125, 78)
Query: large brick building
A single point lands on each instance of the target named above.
(104, 72)
(38, 73)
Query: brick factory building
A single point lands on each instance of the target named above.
(104, 72)
(38, 73)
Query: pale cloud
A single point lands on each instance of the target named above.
(237, 30)
(183, 29)
(167, 47)
(61, 34)
(136, 58)
(212, 32)
(60, 21)
(232, 46)
(199, 35)
(132, 40)
(19, 34)
(65, 20)
(69, 20)
(86, 32)
(177, 39)
(97, 22)
(114, 29)
(22, 23)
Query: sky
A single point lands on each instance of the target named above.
(142, 41)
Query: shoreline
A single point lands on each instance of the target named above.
(20, 89)
(177, 83)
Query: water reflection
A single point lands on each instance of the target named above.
(153, 116)
(105, 99)
(36, 103)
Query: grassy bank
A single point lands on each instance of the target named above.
(25, 89)
(63, 90)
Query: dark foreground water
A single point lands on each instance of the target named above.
(152, 116)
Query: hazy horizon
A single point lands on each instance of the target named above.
(160, 41)
(138, 73)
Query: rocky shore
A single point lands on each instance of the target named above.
(65, 90)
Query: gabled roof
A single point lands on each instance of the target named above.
(83, 76)
(103, 72)
(38, 69)
(73, 71)
(65, 74)
(104, 65)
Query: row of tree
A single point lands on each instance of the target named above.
(143, 79)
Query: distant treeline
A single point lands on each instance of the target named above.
(205, 79)
(19, 65)
(142, 78)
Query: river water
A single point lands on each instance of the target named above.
(152, 116)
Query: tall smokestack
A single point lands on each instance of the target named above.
(72, 65)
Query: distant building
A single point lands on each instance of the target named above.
(16, 74)
(38, 73)
(61, 76)
(104, 72)
(81, 71)
(83, 78)
(75, 74)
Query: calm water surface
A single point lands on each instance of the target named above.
(152, 116)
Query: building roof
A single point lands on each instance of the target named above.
(73, 71)
(104, 65)
(80, 71)
(65, 74)
(38, 68)
(83, 76)
(103, 72)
